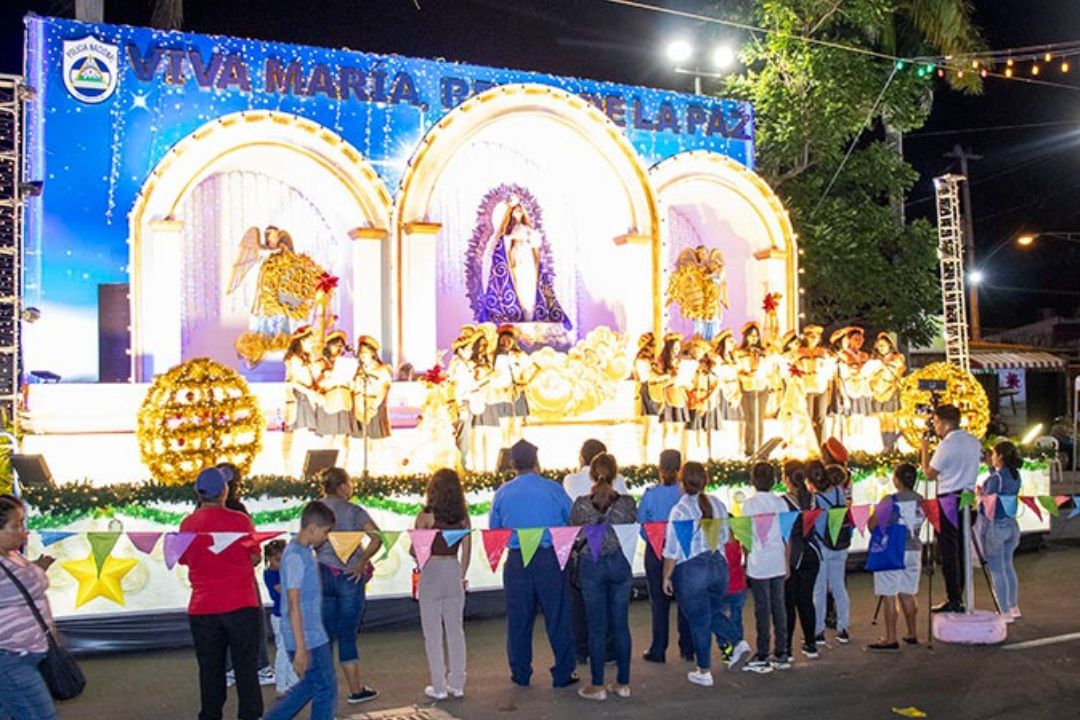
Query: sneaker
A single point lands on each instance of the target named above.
(363, 696)
(649, 657)
(434, 694)
(810, 651)
(266, 676)
(758, 665)
(725, 651)
(1015, 612)
(455, 693)
(700, 677)
(820, 640)
(842, 637)
(621, 691)
(599, 695)
(782, 662)
(230, 678)
(738, 653)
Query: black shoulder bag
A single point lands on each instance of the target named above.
(59, 669)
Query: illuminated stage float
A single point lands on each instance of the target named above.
(417, 198)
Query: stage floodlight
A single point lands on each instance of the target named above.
(679, 51)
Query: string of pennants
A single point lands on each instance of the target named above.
(495, 542)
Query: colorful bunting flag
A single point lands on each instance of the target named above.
(762, 525)
(836, 522)
(453, 537)
(711, 528)
(48, 537)
(1010, 504)
(562, 539)
(684, 533)
(223, 540)
(101, 544)
(259, 537)
(345, 544)
(809, 518)
(740, 528)
(176, 544)
(787, 523)
(1061, 500)
(967, 499)
(1076, 507)
(1050, 504)
(883, 512)
(860, 517)
(948, 507)
(628, 539)
(594, 536)
(144, 542)
(655, 532)
(932, 510)
(1030, 502)
(494, 545)
(528, 540)
(989, 505)
(388, 537)
(421, 540)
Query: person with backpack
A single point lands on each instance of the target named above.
(900, 588)
(828, 483)
(804, 561)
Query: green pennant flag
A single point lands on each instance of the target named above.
(967, 499)
(1048, 502)
(529, 540)
(740, 528)
(101, 544)
(388, 537)
(836, 521)
(711, 528)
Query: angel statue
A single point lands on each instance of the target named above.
(519, 285)
(285, 290)
(699, 287)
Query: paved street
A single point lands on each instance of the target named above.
(945, 682)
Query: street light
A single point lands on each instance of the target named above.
(680, 52)
(1028, 239)
(723, 57)
(975, 277)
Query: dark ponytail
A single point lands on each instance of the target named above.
(693, 478)
(1010, 456)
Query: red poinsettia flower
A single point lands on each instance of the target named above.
(772, 302)
(795, 371)
(434, 375)
(327, 283)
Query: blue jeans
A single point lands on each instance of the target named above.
(23, 694)
(605, 587)
(318, 686)
(661, 612)
(342, 608)
(1000, 538)
(700, 586)
(831, 576)
(731, 629)
(540, 586)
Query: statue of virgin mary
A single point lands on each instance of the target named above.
(519, 285)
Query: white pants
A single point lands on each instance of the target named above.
(284, 675)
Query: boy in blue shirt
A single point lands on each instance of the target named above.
(284, 676)
(304, 636)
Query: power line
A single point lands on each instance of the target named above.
(991, 128)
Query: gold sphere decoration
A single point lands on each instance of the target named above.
(962, 390)
(196, 415)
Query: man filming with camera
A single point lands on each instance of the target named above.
(955, 468)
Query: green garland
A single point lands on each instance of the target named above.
(63, 505)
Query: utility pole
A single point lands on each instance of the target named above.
(963, 156)
(90, 10)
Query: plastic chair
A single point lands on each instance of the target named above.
(1049, 442)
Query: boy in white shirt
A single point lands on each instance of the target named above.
(766, 568)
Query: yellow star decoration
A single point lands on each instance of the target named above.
(105, 583)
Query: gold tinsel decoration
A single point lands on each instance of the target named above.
(288, 283)
(566, 385)
(963, 391)
(196, 415)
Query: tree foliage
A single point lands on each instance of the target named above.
(862, 262)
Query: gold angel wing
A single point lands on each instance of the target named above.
(687, 257)
(245, 259)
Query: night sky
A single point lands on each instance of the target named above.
(1028, 179)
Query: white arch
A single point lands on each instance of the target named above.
(412, 256)
(306, 149)
(744, 197)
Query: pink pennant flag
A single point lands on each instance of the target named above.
(176, 543)
(562, 539)
(421, 544)
(144, 542)
(1030, 502)
(1061, 499)
(989, 505)
(494, 545)
(655, 532)
(762, 525)
(860, 516)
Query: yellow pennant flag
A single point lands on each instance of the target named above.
(345, 544)
(711, 528)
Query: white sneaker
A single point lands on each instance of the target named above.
(739, 652)
(434, 694)
(700, 677)
(267, 677)
(455, 693)
(230, 678)
(1015, 612)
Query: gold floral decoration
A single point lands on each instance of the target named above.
(962, 390)
(288, 285)
(579, 381)
(196, 415)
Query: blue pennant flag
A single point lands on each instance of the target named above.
(1008, 503)
(48, 537)
(684, 533)
(453, 537)
(787, 521)
(1076, 507)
